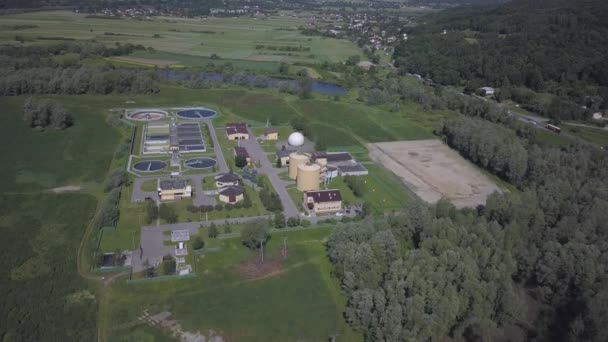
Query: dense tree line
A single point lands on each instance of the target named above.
(560, 219)
(554, 46)
(76, 81)
(415, 277)
(57, 69)
(46, 113)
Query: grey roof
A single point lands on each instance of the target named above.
(237, 129)
(325, 195)
(351, 168)
(227, 177)
(333, 157)
(233, 190)
(284, 153)
(241, 151)
(172, 184)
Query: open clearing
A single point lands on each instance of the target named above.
(242, 38)
(432, 170)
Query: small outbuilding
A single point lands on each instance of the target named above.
(237, 131)
(241, 151)
(284, 156)
(365, 65)
(232, 194)
(487, 91)
(323, 201)
(226, 179)
(271, 134)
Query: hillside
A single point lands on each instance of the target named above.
(549, 46)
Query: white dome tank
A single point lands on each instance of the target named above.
(295, 139)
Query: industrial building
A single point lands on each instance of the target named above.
(310, 170)
(232, 194)
(241, 151)
(271, 134)
(237, 131)
(173, 189)
(323, 201)
(226, 179)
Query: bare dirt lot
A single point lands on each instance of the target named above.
(432, 170)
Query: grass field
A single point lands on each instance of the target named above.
(594, 135)
(300, 302)
(231, 38)
(44, 296)
(35, 160)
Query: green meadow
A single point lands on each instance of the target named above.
(243, 38)
(301, 301)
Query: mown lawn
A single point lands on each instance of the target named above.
(303, 302)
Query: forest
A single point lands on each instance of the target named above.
(548, 46)
(432, 272)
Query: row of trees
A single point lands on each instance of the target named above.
(76, 81)
(45, 113)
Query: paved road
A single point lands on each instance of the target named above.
(217, 149)
(257, 154)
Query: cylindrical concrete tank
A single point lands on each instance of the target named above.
(308, 177)
(296, 159)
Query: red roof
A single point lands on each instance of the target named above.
(237, 129)
(325, 196)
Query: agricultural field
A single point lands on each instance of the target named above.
(275, 39)
(295, 299)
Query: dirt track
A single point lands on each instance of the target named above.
(432, 170)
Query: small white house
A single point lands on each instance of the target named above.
(597, 116)
(488, 91)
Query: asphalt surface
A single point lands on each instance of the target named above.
(259, 157)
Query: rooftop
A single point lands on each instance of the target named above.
(173, 184)
(233, 190)
(284, 153)
(241, 151)
(325, 196)
(227, 177)
(333, 157)
(237, 130)
(351, 168)
(271, 131)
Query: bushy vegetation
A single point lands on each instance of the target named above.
(43, 296)
(255, 233)
(46, 113)
(109, 213)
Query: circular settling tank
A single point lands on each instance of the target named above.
(150, 166)
(146, 115)
(196, 113)
(200, 163)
